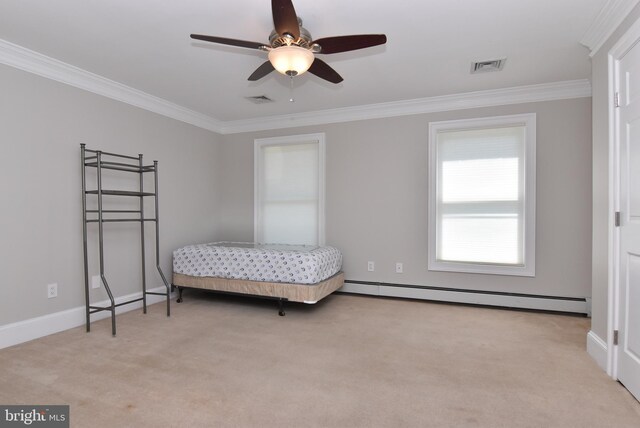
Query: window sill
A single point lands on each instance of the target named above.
(487, 269)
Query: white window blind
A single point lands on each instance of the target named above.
(479, 197)
(289, 191)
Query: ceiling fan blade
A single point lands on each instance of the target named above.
(338, 44)
(225, 41)
(323, 71)
(285, 19)
(261, 71)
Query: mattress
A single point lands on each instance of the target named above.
(296, 264)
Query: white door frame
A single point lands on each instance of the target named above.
(624, 44)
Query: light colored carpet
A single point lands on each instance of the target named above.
(349, 361)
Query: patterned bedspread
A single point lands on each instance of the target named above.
(258, 262)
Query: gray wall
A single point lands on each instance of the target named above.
(42, 123)
(376, 194)
(377, 197)
(600, 261)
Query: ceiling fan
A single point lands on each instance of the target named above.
(292, 50)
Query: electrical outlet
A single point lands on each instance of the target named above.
(371, 266)
(52, 290)
(95, 281)
(399, 268)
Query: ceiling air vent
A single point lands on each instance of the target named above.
(490, 65)
(259, 99)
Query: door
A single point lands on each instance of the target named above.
(628, 133)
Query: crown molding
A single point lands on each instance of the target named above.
(488, 98)
(608, 20)
(36, 63)
(33, 62)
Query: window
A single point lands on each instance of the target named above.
(289, 190)
(482, 195)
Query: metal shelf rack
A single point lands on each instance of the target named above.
(101, 160)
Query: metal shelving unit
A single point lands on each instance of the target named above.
(111, 161)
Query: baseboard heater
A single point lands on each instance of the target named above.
(577, 305)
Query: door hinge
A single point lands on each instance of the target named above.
(616, 99)
(615, 337)
(617, 218)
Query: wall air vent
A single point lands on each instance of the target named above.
(489, 65)
(259, 99)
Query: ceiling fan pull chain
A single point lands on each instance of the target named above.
(291, 99)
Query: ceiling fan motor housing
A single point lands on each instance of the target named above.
(304, 41)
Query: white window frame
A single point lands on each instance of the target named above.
(259, 143)
(529, 121)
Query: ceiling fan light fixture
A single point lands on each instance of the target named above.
(291, 60)
(292, 49)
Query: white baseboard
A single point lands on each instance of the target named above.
(372, 290)
(597, 349)
(24, 331)
(469, 297)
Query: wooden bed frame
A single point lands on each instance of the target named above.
(280, 291)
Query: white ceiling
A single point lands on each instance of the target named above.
(145, 44)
